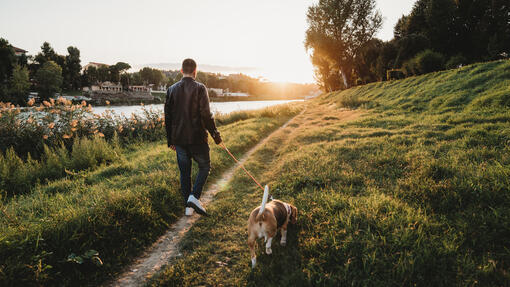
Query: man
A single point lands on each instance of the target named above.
(187, 117)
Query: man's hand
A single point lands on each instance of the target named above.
(217, 138)
(172, 147)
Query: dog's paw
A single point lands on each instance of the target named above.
(269, 251)
(283, 243)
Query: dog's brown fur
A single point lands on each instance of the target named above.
(266, 225)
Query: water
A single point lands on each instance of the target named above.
(216, 107)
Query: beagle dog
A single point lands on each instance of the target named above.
(266, 220)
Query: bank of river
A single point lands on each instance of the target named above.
(216, 107)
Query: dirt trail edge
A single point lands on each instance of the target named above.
(166, 247)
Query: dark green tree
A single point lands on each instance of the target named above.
(71, 72)
(7, 62)
(49, 79)
(19, 85)
(103, 74)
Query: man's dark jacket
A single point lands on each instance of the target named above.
(187, 113)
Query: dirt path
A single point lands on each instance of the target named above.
(166, 247)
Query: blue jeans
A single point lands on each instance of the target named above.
(200, 154)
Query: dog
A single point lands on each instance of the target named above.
(266, 220)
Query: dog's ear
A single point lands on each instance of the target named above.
(293, 214)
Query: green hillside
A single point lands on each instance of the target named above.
(401, 183)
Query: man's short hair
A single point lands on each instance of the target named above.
(189, 66)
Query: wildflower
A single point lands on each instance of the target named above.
(31, 102)
(73, 129)
(51, 125)
(108, 103)
(141, 104)
(12, 107)
(100, 135)
(52, 101)
(66, 136)
(74, 123)
(83, 103)
(30, 120)
(120, 129)
(134, 122)
(132, 129)
(45, 137)
(45, 103)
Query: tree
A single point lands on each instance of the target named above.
(338, 29)
(72, 69)
(151, 76)
(49, 79)
(90, 76)
(103, 74)
(19, 85)
(47, 54)
(7, 62)
(116, 70)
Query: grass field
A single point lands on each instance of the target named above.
(400, 183)
(83, 228)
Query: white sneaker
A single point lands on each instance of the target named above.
(189, 211)
(196, 205)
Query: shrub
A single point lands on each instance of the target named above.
(18, 176)
(429, 61)
(456, 62)
(425, 62)
(410, 68)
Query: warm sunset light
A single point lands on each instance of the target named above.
(254, 143)
(259, 38)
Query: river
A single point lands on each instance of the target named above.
(216, 107)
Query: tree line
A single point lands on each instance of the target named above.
(49, 72)
(435, 35)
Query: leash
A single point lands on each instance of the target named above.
(222, 145)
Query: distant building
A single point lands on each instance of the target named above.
(139, 88)
(95, 65)
(110, 87)
(236, 95)
(217, 92)
(19, 51)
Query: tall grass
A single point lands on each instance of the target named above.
(412, 192)
(18, 176)
(83, 229)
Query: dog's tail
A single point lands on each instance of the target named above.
(264, 201)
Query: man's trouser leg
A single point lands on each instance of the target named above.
(200, 154)
(184, 162)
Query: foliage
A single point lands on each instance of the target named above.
(477, 30)
(7, 62)
(19, 85)
(115, 210)
(456, 61)
(152, 76)
(18, 176)
(429, 61)
(49, 79)
(338, 29)
(57, 122)
(72, 69)
(424, 62)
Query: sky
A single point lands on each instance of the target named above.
(258, 37)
